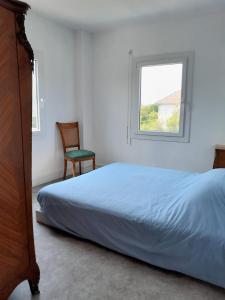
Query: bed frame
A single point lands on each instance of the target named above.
(41, 219)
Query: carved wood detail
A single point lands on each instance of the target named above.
(20, 8)
(22, 38)
(16, 6)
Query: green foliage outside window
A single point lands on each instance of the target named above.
(173, 122)
(149, 120)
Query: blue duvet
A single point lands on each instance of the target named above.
(171, 219)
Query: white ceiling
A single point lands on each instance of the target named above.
(97, 14)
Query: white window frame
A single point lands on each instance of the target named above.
(36, 73)
(186, 59)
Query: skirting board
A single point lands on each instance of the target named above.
(57, 175)
(45, 179)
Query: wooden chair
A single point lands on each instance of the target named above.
(70, 139)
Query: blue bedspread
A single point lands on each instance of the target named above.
(171, 219)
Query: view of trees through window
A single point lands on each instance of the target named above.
(161, 98)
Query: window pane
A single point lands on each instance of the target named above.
(35, 99)
(160, 93)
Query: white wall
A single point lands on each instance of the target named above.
(84, 88)
(84, 77)
(54, 47)
(204, 35)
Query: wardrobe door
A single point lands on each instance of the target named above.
(25, 67)
(14, 248)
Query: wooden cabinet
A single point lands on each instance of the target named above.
(219, 157)
(17, 254)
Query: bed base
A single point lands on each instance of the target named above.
(40, 218)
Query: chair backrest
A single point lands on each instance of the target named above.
(70, 135)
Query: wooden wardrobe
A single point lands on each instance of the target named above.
(17, 254)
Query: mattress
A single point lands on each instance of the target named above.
(171, 219)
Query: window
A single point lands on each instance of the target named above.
(161, 97)
(35, 99)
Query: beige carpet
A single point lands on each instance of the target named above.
(73, 269)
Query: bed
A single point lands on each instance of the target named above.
(171, 219)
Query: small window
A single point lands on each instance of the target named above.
(160, 104)
(35, 99)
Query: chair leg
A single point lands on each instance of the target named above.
(74, 169)
(65, 168)
(94, 163)
(80, 167)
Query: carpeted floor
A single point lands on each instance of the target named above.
(73, 269)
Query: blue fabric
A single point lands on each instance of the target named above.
(171, 219)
